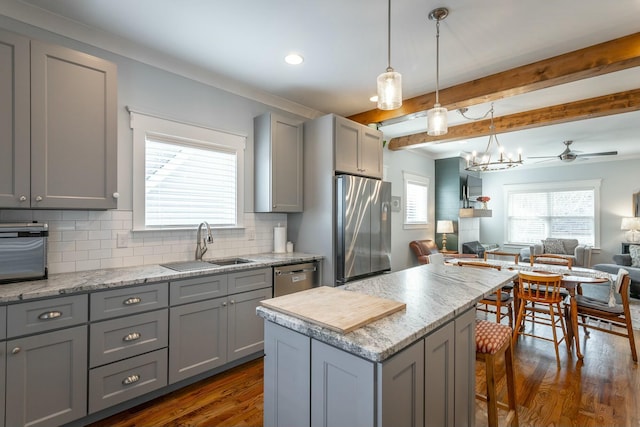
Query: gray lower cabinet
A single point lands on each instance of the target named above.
(47, 378)
(342, 388)
(208, 332)
(198, 338)
(430, 383)
(59, 105)
(3, 376)
(287, 377)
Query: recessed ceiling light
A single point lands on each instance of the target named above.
(374, 98)
(293, 59)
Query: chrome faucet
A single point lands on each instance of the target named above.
(201, 246)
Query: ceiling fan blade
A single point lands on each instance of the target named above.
(604, 153)
(542, 157)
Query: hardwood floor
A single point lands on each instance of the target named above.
(601, 391)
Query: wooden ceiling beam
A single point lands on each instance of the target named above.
(617, 103)
(603, 58)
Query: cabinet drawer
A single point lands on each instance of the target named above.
(250, 280)
(124, 380)
(44, 315)
(198, 289)
(117, 339)
(125, 301)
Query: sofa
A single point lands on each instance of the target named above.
(623, 260)
(580, 254)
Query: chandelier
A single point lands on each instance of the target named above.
(490, 160)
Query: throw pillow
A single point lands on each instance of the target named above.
(634, 251)
(553, 246)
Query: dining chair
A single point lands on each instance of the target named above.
(551, 259)
(500, 299)
(617, 315)
(540, 293)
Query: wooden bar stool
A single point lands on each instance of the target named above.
(493, 340)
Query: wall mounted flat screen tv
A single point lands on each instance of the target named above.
(471, 186)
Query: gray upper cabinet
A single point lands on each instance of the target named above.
(15, 132)
(58, 135)
(358, 148)
(278, 164)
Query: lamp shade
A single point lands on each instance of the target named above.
(630, 223)
(437, 121)
(444, 226)
(389, 90)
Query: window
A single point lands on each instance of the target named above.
(184, 174)
(562, 210)
(415, 200)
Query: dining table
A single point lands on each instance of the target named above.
(571, 279)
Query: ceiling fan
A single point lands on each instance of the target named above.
(569, 155)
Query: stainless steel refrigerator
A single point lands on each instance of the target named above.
(363, 227)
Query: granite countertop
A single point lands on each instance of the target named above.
(83, 281)
(434, 294)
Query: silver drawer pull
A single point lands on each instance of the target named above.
(50, 315)
(132, 301)
(132, 336)
(131, 379)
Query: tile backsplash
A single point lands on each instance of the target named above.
(88, 240)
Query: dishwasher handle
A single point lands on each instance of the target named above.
(304, 270)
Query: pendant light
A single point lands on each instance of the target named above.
(389, 82)
(437, 116)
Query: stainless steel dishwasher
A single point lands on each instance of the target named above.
(291, 278)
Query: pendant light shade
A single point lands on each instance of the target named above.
(437, 116)
(389, 90)
(389, 82)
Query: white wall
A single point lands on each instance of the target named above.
(395, 163)
(620, 179)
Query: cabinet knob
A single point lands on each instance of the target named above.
(274, 206)
(232, 302)
(23, 198)
(50, 315)
(224, 304)
(116, 195)
(38, 198)
(16, 350)
(132, 301)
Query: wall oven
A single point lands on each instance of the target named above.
(23, 251)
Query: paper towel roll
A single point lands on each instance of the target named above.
(279, 239)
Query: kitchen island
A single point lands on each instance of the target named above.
(414, 367)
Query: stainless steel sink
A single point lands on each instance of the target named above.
(188, 265)
(203, 265)
(229, 261)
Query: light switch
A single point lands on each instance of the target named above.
(123, 240)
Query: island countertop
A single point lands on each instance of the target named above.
(92, 280)
(434, 295)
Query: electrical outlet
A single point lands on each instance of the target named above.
(123, 240)
(251, 234)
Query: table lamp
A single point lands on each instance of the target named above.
(632, 224)
(444, 227)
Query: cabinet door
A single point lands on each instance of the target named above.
(371, 152)
(465, 369)
(47, 378)
(342, 388)
(346, 145)
(439, 377)
(246, 328)
(3, 359)
(15, 130)
(286, 166)
(73, 129)
(197, 338)
(287, 377)
(400, 388)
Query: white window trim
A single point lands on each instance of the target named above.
(413, 177)
(590, 184)
(145, 124)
